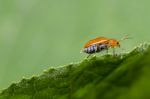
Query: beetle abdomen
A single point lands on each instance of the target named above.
(95, 48)
(90, 49)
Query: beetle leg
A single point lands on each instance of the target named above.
(88, 55)
(97, 45)
(114, 51)
(107, 51)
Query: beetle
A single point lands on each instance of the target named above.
(101, 43)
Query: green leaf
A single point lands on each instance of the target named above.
(106, 77)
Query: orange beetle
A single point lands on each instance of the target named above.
(99, 44)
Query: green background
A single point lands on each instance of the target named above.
(38, 34)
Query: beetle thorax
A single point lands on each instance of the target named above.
(113, 43)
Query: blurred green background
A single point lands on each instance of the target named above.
(38, 34)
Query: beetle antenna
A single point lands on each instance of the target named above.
(126, 37)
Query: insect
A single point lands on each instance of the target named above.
(101, 43)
